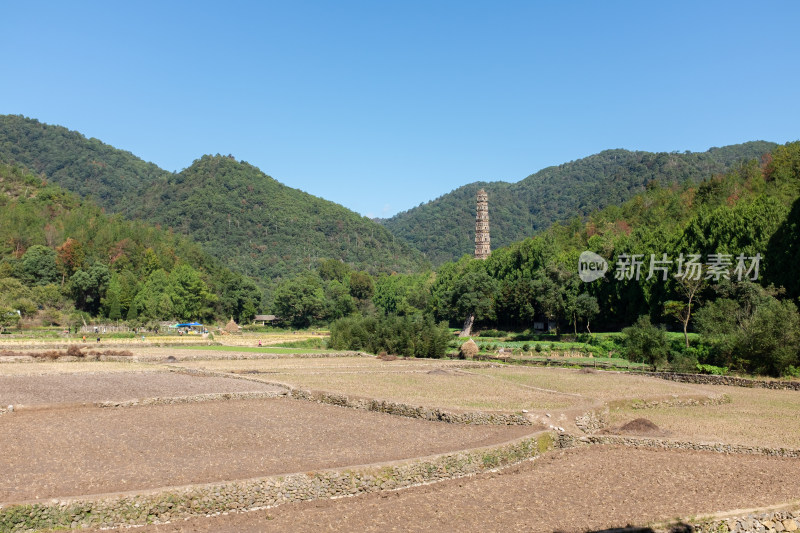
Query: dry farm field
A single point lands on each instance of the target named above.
(164, 422)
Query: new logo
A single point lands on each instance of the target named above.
(591, 266)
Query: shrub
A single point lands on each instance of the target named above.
(683, 362)
(383, 356)
(646, 342)
(538, 347)
(711, 369)
(792, 371)
(493, 333)
(526, 347)
(754, 331)
(75, 351)
(410, 336)
(317, 343)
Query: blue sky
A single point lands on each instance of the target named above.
(381, 106)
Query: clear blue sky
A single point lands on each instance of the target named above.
(381, 106)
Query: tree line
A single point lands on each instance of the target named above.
(63, 258)
(736, 234)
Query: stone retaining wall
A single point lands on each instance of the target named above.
(381, 406)
(571, 441)
(411, 411)
(592, 421)
(709, 379)
(675, 402)
(195, 398)
(771, 522)
(199, 500)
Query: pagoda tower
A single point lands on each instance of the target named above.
(482, 242)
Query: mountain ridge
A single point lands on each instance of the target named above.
(519, 209)
(262, 242)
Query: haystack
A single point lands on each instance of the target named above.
(232, 327)
(469, 349)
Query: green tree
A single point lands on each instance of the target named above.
(750, 328)
(472, 297)
(239, 296)
(333, 269)
(361, 285)
(411, 336)
(583, 306)
(191, 299)
(154, 300)
(338, 301)
(300, 300)
(549, 298)
(8, 318)
(114, 307)
(89, 286)
(111, 301)
(688, 288)
(646, 342)
(771, 337)
(39, 265)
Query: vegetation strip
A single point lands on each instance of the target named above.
(201, 500)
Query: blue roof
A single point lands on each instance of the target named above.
(188, 325)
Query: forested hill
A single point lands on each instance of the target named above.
(265, 229)
(444, 228)
(61, 256)
(251, 222)
(87, 167)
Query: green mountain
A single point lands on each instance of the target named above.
(87, 167)
(444, 228)
(265, 229)
(248, 220)
(61, 254)
(717, 257)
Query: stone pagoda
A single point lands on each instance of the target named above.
(482, 243)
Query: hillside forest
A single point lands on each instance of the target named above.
(443, 228)
(257, 226)
(66, 260)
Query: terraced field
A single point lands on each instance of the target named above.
(164, 418)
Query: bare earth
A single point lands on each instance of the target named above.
(61, 447)
(574, 490)
(116, 386)
(80, 451)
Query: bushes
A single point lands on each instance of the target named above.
(711, 369)
(646, 342)
(410, 336)
(754, 331)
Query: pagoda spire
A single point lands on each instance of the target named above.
(482, 241)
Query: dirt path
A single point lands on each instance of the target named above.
(81, 451)
(571, 491)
